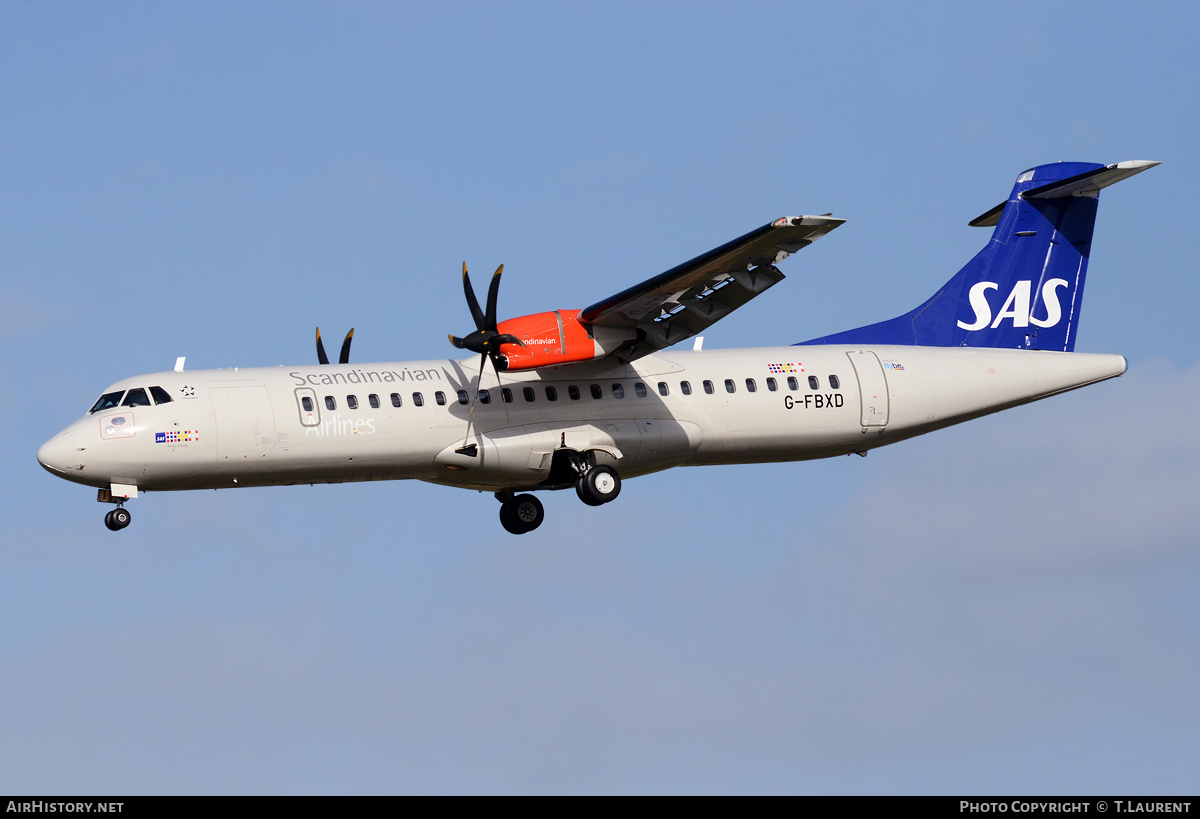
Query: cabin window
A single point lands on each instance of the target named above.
(639, 389)
(551, 394)
(352, 401)
(813, 383)
(440, 397)
(330, 402)
(709, 388)
(506, 394)
(107, 401)
(685, 387)
(573, 392)
(160, 395)
(730, 386)
(772, 384)
(618, 391)
(307, 403)
(663, 389)
(751, 386)
(597, 393)
(136, 398)
(396, 402)
(485, 397)
(793, 384)
(834, 383)
(374, 400)
(418, 399)
(529, 394)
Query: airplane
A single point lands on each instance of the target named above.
(584, 399)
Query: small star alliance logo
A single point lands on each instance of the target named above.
(188, 392)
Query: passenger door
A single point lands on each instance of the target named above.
(872, 387)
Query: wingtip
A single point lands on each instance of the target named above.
(808, 221)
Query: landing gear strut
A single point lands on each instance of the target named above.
(117, 519)
(521, 514)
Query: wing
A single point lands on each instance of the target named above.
(686, 299)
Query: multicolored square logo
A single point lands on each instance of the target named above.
(185, 436)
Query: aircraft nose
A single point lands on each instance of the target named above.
(58, 454)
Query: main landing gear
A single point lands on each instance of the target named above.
(520, 514)
(598, 485)
(117, 519)
(595, 486)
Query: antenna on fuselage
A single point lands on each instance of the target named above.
(179, 363)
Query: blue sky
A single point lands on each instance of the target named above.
(1007, 606)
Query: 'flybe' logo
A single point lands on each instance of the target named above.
(1016, 306)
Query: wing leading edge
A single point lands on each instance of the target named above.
(685, 300)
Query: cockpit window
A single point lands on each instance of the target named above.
(160, 395)
(107, 401)
(136, 398)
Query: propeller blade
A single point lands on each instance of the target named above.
(500, 389)
(485, 339)
(506, 339)
(472, 302)
(493, 292)
(344, 358)
(321, 357)
(478, 383)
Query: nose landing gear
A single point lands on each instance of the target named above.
(117, 519)
(118, 493)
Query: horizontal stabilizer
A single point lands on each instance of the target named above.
(1088, 184)
(989, 219)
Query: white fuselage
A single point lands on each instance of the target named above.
(333, 423)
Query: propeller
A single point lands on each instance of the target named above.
(486, 341)
(344, 357)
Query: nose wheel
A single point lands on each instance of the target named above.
(117, 519)
(521, 514)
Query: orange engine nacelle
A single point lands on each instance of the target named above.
(550, 338)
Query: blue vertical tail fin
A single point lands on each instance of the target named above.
(1025, 288)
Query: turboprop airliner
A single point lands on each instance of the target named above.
(583, 399)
